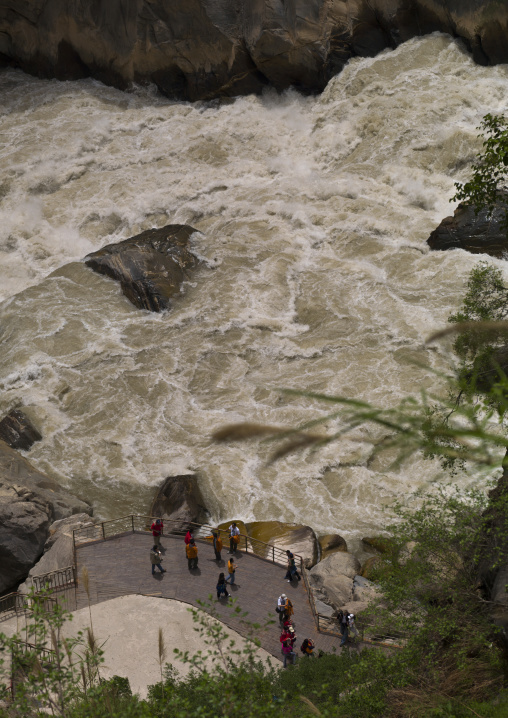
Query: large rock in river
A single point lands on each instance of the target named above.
(480, 233)
(199, 49)
(17, 431)
(150, 266)
(180, 503)
(30, 502)
(297, 538)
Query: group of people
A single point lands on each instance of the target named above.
(287, 632)
(284, 606)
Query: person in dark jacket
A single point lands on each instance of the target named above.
(221, 587)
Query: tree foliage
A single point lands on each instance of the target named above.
(487, 187)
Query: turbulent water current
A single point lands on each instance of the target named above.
(314, 215)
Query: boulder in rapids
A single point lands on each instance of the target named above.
(150, 266)
(17, 431)
(180, 503)
(480, 233)
(297, 538)
(369, 566)
(30, 502)
(379, 543)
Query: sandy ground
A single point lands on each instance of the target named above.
(127, 628)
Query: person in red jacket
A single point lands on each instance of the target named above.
(188, 537)
(157, 528)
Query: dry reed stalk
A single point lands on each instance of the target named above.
(162, 651)
(86, 583)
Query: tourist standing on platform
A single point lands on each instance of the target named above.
(288, 653)
(217, 545)
(156, 558)
(221, 587)
(157, 528)
(192, 555)
(292, 571)
(307, 647)
(234, 537)
(284, 608)
(231, 568)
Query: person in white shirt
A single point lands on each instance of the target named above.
(234, 532)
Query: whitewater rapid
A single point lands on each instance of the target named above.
(313, 216)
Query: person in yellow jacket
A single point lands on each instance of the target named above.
(192, 554)
(217, 545)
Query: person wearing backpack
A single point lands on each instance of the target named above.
(307, 647)
(221, 587)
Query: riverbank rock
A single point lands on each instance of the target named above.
(30, 502)
(17, 431)
(297, 538)
(58, 549)
(480, 233)
(379, 543)
(364, 590)
(330, 544)
(334, 577)
(200, 49)
(180, 503)
(369, 566)
(150, 266)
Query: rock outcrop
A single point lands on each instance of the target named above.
(58, 549)
(179, 502)
(297, 538)
(481, 233)
(150, 266)
(200, 49)
(30, 502)
(331, 543)
(332, 579)
(17, 431)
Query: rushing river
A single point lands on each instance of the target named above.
(314, 214)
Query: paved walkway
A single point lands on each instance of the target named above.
(121, 565)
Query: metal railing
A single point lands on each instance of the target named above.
(202, 532)
(58, 580)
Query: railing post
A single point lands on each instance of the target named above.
(273, 554)
(246, 545)
(103, 531)
(132, 517)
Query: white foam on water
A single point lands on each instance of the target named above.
(312, 216)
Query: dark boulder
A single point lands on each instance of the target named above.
(150, 266)
(180, 503)
(17, 431)
(481, 233)
(331, 543)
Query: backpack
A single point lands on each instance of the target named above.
(304, 645)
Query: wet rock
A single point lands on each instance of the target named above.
(370, 565)
(180, 503)
(199, 49)
(58, 549)
(30, 502)
(17, 431)
(378, 543)
(150, 266)
(297, 538)
(480, 233)
(334, 577)
(330, 544)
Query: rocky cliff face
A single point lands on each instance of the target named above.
(200, 49)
